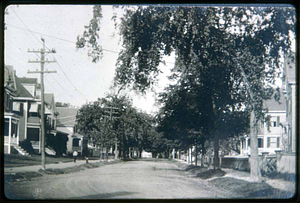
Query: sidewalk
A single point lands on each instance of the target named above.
(242, 175)
(60, 165)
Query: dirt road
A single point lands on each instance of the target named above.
(135, 180)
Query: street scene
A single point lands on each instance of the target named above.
(150, 102)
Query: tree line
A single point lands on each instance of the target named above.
(227, 61)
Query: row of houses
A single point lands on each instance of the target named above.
(22, 120)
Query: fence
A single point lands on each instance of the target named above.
(282, 163)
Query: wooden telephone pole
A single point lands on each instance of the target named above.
(111, 117)
(42, 62)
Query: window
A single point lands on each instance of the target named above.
(6, 127)
(14, 129)
(76, 142)
(260, 142)
(273, 142)
(33, 134)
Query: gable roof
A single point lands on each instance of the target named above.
(66, 117)
(28, 80)
(9, 77)
(21, 90)
(48, 97)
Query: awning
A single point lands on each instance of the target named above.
(16, 106)
(34, 108)
(55, 132)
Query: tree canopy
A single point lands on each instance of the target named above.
(227, 59)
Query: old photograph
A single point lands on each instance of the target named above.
(151, 102)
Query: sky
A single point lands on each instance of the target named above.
(78, 80)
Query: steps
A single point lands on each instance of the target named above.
(50, 151)
(21, 150)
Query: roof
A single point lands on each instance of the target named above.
(28, 80)
(21, 90)
(67, 116)
(290, 69)
(58, 132)
(48, 97)
(274, 105)
(9, 77)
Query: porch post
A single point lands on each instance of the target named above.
(9, 136)
(40, 140)
(18, 133)
(26, 117)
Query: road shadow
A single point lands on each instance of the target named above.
(106, 195)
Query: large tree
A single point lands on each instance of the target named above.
(237, 45)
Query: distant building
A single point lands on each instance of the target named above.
(66, 122)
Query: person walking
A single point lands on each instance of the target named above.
(75, 153)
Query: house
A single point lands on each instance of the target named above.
(11, 111)
(270, 138)
(289, 92)
(22, 111)
(66, 122)
(31, 125)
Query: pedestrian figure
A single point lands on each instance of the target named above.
(75, 153)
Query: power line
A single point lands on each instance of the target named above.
(26, 26)
(116, 52)
(69, 79)
(50, 52)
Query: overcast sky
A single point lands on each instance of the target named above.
(77, 79)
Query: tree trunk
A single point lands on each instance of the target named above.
(191, 157)
(116, 149)
(129, 152)
(173, 153)
(216, 137)
(254, 161)
(106, 153)
(196, 155)
(203, 154)
(188, 155)
(101, 151)
(141, 153)
(216, 151)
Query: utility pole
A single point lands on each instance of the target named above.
(42, 62)
(110, 118)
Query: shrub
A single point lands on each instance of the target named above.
(26, 144)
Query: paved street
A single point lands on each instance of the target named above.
(135, 179)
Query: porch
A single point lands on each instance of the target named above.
(11, 131)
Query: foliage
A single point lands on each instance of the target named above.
(90, 36)
(58, 143)
(26, 144)
(130, 126)
(60, 104)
